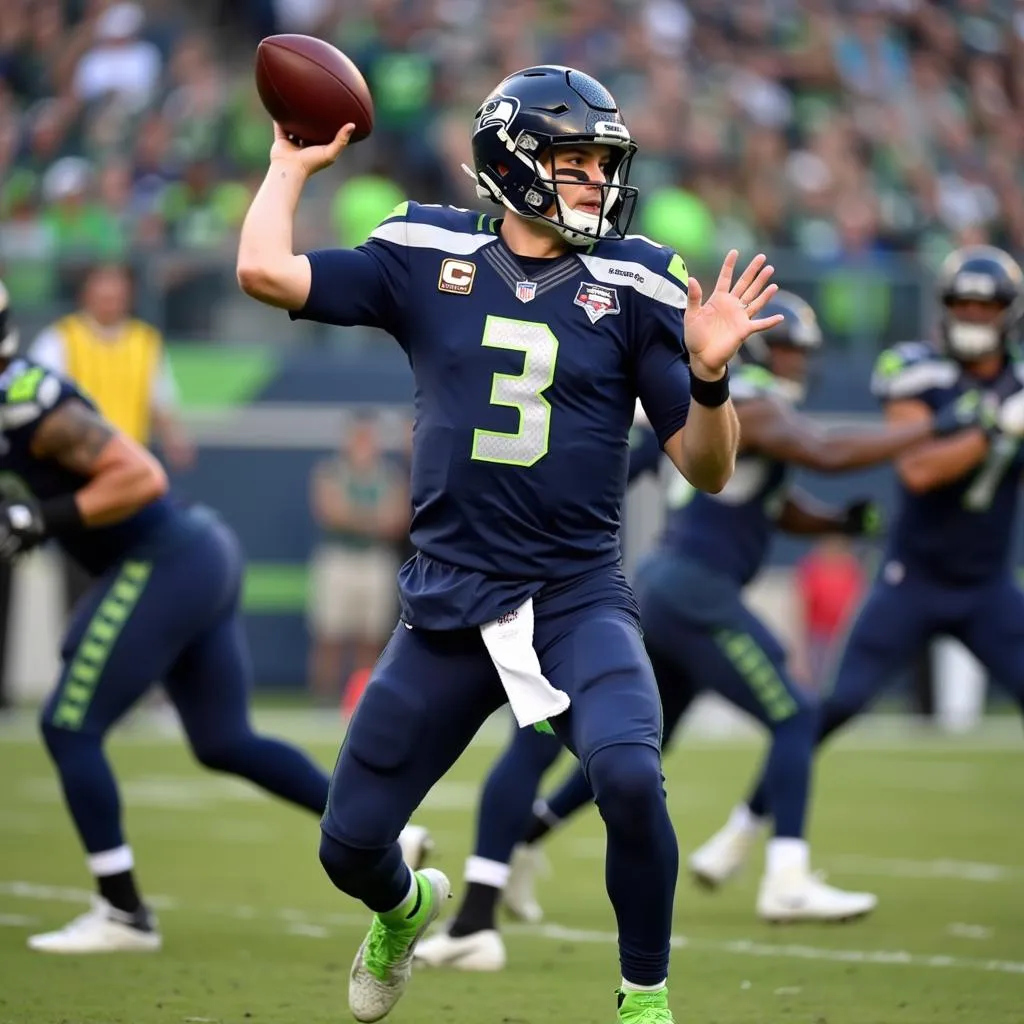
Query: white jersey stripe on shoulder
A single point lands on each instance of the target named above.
(918, 378)
(429, 236)
(631, 274)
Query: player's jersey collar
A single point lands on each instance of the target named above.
(532, 279)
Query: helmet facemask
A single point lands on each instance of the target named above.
(968, 340)
(535, 195)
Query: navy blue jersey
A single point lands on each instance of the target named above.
(963, 531)
(527, 374)
(731, 531)
(28, 394)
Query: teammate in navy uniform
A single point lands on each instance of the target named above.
(946, 568)
(530, 339)
(164, 607)
(699, 634)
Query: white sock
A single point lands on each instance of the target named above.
(541, 809)
(787, 855)
(487, 872)
(628, 986)
(111, 862)
(407, 897)
(743, 820)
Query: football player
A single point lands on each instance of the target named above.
(947, 567)
(530, 336)
(164, 607)
(700, 634)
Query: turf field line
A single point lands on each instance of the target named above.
(896, 867)
(790, 951)
(318, 926)
(879, 731)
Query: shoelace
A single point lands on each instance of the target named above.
(386, 946)
(651, 1006)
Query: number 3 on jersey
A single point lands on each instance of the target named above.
(523, 391)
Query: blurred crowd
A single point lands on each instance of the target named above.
(853, 134)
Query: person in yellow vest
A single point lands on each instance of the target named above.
(119, 361)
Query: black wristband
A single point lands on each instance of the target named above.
(61, 515)
(710, 393)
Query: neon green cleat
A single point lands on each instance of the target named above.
(645, 1007)
(383, 966)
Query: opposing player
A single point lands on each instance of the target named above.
(700, 635)
(946, 568)
(530, 339)
(164, 607)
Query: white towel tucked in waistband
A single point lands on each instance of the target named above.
(509, 642)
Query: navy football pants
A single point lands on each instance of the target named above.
(430, 693)
(895, 624)
(169, 614)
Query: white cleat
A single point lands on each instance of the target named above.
(519, 897)
(383, 965)
(721, 856)
(791, 896)
(479, 951)
(102, 929)
(416, 846)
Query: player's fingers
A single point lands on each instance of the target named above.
(279, 132)
(758, 285)
(341, 139)
(765, 324)
(760, 301)
(725, 274)
(693, 294)
(746, 279)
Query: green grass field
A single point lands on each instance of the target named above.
(254, 933)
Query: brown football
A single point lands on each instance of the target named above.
(311, 89)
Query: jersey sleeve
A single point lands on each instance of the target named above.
(912, 370)
(661, 361)
(362, 287)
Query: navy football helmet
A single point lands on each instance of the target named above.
(799, 330)
(8, 335)
(981, 273)
(515, 131)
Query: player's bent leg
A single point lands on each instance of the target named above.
(210, 683)
(497, 870)
(614, 724)
(429, 694)
(119, 640)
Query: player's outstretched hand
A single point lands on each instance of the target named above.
(309, 159)
(716, 329)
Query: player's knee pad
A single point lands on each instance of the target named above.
(223, 753)
(628, 784)
(347, 865)
(65, 745)
(803, 717)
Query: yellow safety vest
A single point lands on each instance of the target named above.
(118, 373)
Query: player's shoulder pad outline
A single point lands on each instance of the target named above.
(446, 229)
(639, 263)
(748, 381)
(911, 368)
(27, 391)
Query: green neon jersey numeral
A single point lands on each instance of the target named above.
(522, 391)
(1002, 452)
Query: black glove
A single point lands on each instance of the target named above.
(21, 528)
(971, 409)
(862, 518)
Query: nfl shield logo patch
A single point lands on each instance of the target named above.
(526, 290)
(597, 300)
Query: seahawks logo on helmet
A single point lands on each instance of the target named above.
(497, 112)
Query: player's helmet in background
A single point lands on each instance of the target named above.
(799, 330)
(981, 273)
(8, 335)
(515, 129)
